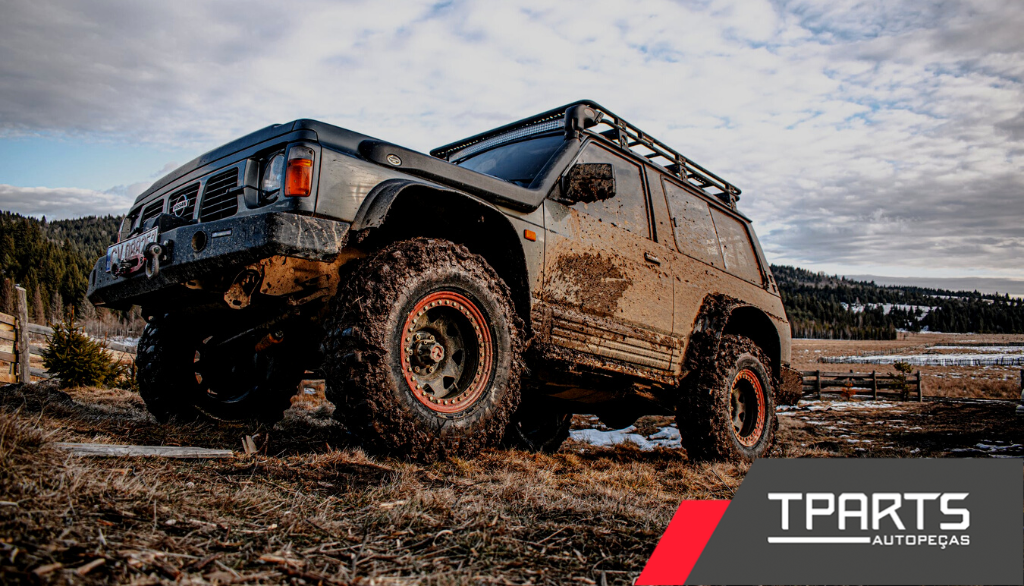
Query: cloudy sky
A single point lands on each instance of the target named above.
(882, 138)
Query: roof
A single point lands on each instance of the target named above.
(611, 127)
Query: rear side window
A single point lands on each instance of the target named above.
(692, 225)
(740, 258)
(711, 235)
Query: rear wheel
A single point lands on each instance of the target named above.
(729, 413)
(186, 375)
(422, 351)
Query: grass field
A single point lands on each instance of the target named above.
(996, 382)
(311, 508)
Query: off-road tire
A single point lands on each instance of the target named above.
(538, 427)
(369, 383)
(170, 388)
(705, 411)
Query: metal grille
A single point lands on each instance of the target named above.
(152, 210)
(182, 203)
(127, 224)
(220, 199)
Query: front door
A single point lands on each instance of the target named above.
(604, 281)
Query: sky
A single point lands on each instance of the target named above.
(878, 138)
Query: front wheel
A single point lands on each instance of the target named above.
(187, 375)
(422, 351)
(729, 412)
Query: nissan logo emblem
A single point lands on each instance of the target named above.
(179, 205)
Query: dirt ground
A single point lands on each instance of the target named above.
(312, 508)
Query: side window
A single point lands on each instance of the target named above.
(740, 258)
(692, 225)
(628, 209)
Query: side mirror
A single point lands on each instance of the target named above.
(589, 182)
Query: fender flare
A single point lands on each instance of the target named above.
(378, 202)
(509, 262)
(713, 322)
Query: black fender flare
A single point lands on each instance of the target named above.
(508, 259)
(376, 205)
(714, 320)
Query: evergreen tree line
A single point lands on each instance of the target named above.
(821, 306)
(52, 261)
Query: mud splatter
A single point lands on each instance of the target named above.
(591, 283)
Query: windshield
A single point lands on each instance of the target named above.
(517, 162)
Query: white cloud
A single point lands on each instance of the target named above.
(65, 202)
(857, 130)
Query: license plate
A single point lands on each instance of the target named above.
(130, 252)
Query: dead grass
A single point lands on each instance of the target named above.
(311, 508)
(322, 512)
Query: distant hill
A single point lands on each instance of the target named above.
(51, 260)
(823, 306)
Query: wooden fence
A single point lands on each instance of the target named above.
(864, 383)
(22, 344)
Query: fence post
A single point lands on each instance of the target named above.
(874, 384)
(21, 333)
(817, 379)
(920, 387)
(1020, 408)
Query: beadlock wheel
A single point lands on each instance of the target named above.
(447, 352)
(422, 352)
(747, 407)
(727, 412)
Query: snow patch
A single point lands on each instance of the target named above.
(666, 437)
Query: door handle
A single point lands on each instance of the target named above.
(651, 258)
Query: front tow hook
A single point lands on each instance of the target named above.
(156, 252)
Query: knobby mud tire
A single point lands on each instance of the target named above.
(704, 415)
(165, 382)
(538, 428)
(168, 384)
(362, 352)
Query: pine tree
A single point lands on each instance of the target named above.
(7, 298)
(76, 359)
(56, 313)
(38, 309)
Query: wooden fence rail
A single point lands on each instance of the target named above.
(21, 358)
(863, 383)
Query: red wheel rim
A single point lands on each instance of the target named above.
(440, 327)
(747, 409)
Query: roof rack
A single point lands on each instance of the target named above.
(612, 128)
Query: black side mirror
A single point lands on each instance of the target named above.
(589, 182)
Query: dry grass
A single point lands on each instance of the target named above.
(311, 508)
(322, 512)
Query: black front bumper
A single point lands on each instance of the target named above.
(230, 244)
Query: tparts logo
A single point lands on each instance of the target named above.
(936, 521)
(852, 521)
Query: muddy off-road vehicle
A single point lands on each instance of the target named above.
(565, 263)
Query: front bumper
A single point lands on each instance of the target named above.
(231, 243)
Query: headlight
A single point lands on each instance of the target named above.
(270, 184)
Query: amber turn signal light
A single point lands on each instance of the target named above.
(530, 235)
(298, 179)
